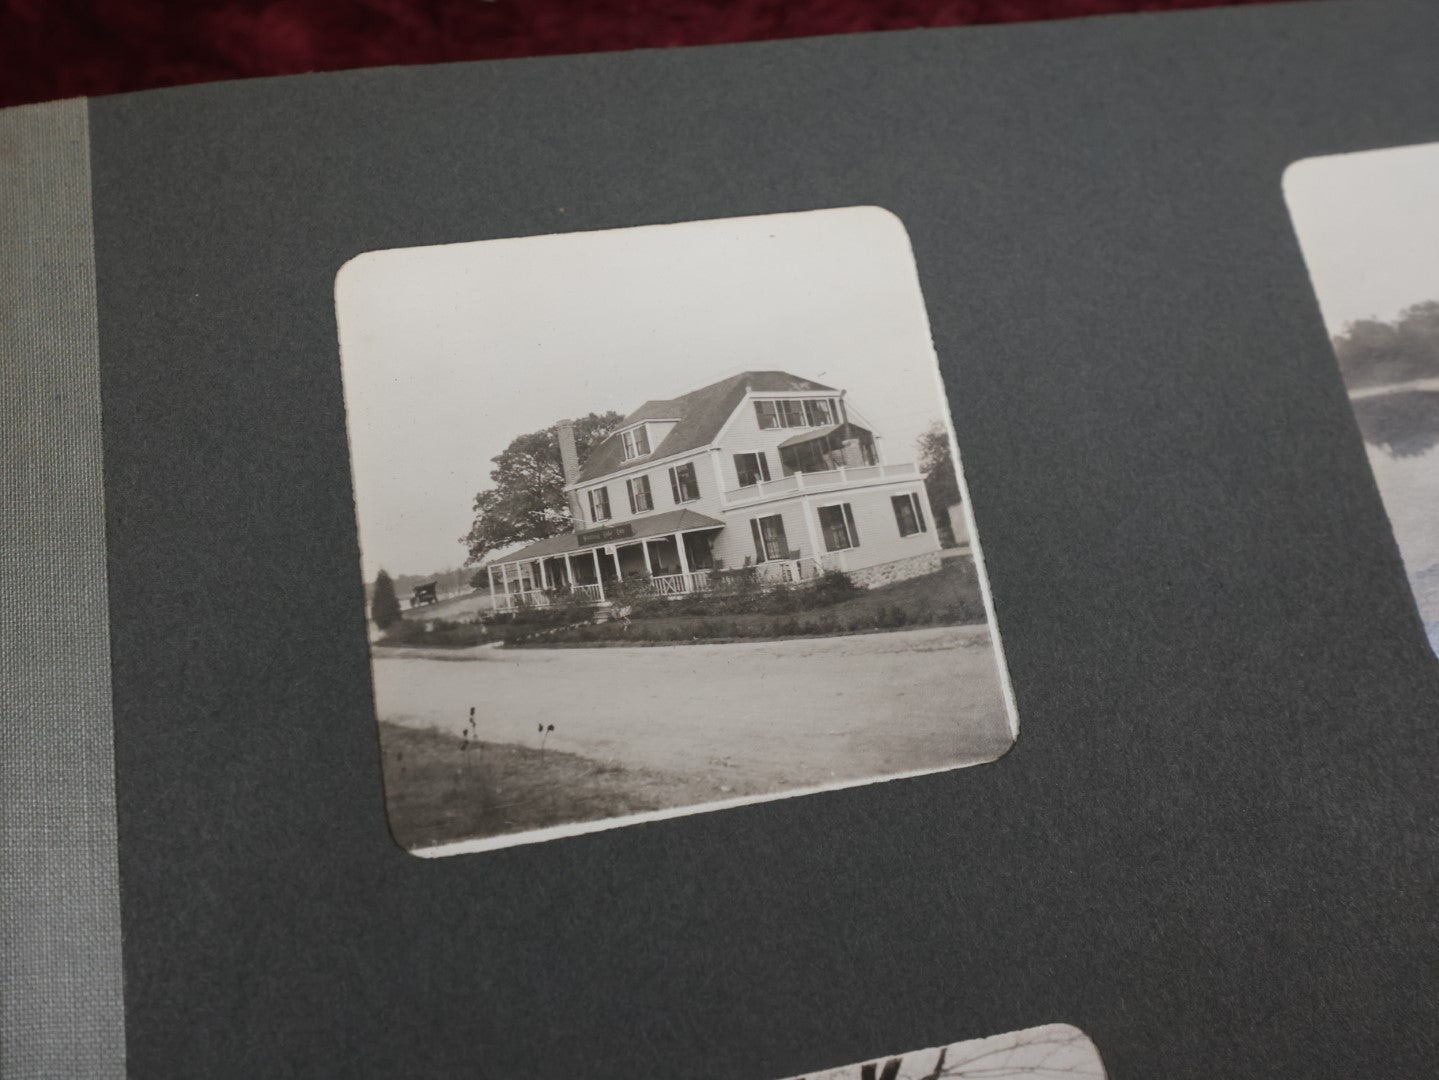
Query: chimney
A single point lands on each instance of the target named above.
(570, 466)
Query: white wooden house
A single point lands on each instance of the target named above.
(763, 469)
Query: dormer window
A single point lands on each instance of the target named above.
(636, 442)
(797, 412)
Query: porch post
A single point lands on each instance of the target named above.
(809, 523)
(684, 562)
(599, 581)
(490, 573)
(649, 565)
(570, 569)
(544, 575)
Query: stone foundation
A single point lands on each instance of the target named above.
(899, 570)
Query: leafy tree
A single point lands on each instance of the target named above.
(385, 606)
(527, 502)
(936, 462)
(1374, 353)
(1387, 368)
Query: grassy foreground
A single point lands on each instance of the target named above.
(440, 788)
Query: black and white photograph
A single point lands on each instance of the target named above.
(1048, 1052)
(658, 520)
(1369, 227)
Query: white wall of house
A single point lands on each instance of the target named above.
(660, 490)
(736, 542)
(878, 528)
(743, 435)
(874, 520)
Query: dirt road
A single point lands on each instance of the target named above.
(773, 715)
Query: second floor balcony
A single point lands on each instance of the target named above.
(820, 481)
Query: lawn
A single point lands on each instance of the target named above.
(441, 787)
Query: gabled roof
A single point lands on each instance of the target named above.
(701, 414)
(652, 410)
(642, 528)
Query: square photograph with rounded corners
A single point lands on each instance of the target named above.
(659, 520)
(1048, 1052)
(1368, 224)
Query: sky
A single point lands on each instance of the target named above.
(1369, 227)
(449, 352)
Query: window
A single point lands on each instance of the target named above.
(684, 484)
(818, 413)
(636, 442)
(797, 412)
(769, 538)
(837, 524)
(600, 504)
(751, 468)
(908, 514)
(812, 456)
(641, 501)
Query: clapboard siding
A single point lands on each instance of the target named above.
(659, 476)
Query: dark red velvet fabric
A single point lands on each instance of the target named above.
(63, 48)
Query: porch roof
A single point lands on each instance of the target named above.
(819, 433)
(641, 528)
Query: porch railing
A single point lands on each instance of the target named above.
(517, 598)
(788, 571)
(677, 584)
(775, 572)
(821, 481)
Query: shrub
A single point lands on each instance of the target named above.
(561, 614)
(437, 633)
(633, 591)
(744, 579)
(785, 600)
(834, 587)
(385, 606)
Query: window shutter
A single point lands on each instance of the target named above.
(758, 540)
(849, 523)
(674, 483)
(919, 513)
(763, 460)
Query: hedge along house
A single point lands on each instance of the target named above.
(763, 469)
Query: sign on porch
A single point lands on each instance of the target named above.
(605, 535)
